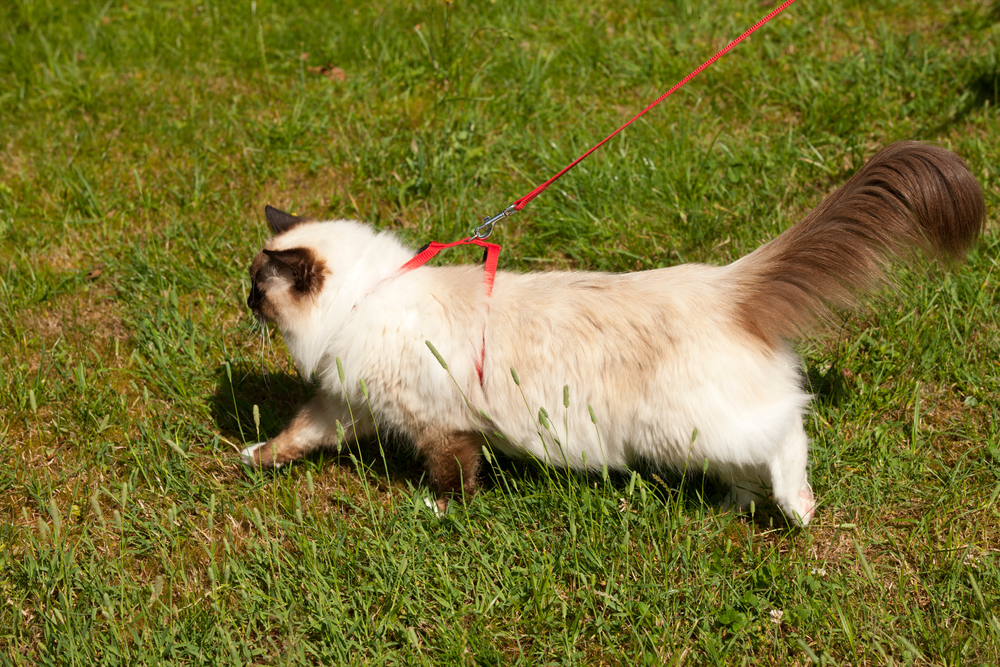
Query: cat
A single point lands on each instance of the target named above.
(682, 366)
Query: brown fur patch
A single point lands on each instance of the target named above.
(277, 452)
(909, 196)
(452, 462)
(281, 281)
(256, 297)
(308, 271)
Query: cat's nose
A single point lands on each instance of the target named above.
(253, 300)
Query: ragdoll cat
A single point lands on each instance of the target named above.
(681, 365)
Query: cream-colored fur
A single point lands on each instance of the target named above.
(657, 355)
(682, 367)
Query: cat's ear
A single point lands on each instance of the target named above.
(281, 221)
(307, 270)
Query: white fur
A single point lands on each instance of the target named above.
(671, 377)
(247, 454)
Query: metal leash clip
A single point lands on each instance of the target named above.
(484, 230)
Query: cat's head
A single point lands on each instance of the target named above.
(287, 275)
(309, 276)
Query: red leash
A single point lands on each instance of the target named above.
(523, 201)
(482, 232)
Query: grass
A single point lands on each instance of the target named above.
(139, 143)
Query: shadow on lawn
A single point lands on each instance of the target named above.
(827, 386)
(980, 89)
(278, 396)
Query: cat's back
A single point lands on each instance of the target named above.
(587, 327)
(655, 354)
(678, 297)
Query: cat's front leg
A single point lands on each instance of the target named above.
(314, 426)
(741, 494)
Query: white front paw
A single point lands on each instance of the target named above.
(247, 454)
(438, 507)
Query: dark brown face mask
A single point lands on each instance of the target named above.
(297, 265)
(256, 294)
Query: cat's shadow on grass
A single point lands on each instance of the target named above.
(251, 406)
(827, 386)
(278, 396)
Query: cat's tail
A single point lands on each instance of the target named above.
(909, 196)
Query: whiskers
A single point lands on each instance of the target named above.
(257, 326)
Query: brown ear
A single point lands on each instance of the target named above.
(306, 269)
(281, 221)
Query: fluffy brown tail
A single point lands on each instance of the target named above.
(909, 196)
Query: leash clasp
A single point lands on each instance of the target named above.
(484, 230)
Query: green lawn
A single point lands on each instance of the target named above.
(139, 143)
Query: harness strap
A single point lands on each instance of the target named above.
(492, 257)
(431, 249)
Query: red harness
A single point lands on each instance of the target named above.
(489, 276)
(431, 249)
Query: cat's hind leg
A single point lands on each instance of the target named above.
(452, 463)
(790, 479)
(313, 427)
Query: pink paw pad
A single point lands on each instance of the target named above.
(808, 503)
